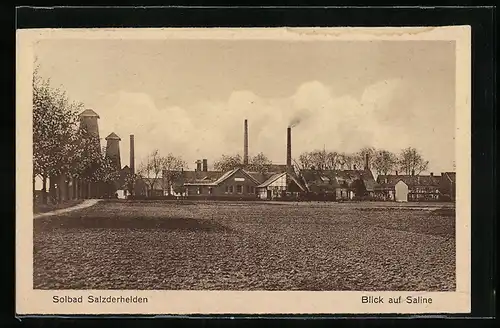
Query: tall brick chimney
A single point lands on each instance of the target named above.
(132, 155)
(245, 143)
(205, 165)
(113, 149)
(367, 162)
(289, 148)
(198, 165)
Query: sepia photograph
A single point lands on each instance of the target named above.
(245, 160)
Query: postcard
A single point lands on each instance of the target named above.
(188, 171)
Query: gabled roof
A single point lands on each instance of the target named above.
(271, 179)
(196, 176)
(222, 177)
(260, 176)
(88, 113)
(112, 136)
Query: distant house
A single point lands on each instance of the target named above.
(236, 183)
(409, 187)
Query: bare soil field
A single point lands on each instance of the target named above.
(247, 246)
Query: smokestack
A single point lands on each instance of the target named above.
(132, 155)
(412, 172)
(205, 165)
(198, 165)
(245, 144)
(367, 162)
(289, 148)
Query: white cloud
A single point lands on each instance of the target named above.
(209, 129)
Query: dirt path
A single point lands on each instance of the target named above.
(86, 203)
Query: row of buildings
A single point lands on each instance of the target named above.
(273, 182)
(288, 182)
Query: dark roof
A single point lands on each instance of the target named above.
(410, 180)
(214, 178)
(315, 180)
(89, 113)
(112, 136)
(330, 179)
(197, 176)
(260, 176)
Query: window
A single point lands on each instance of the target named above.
(210, 190)
(227, 189)
(248, 189)
(252, 189)
(230, 189)
(199, 190)
(239, 189)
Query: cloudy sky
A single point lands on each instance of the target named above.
(190, 97)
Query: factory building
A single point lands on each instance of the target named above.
(276, 181)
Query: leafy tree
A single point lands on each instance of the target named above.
(54, 126)
(228, 162)
(171, 170)
(384, 162)
(411, 161)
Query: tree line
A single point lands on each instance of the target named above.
(168, 169)
(62, 151)
(408, 161)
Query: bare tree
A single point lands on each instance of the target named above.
(384, 162)
(411, 161)
(346, 161)
(228, 162)
(305, 161)
(320, 160)
(359, 158)
(151, 169)
(172, 166)
(259, 163)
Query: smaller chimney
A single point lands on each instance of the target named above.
(198, 165)
(412, 172)
(205, 165)
(289, 148)
(245, 143)
(367, 162)
(355, 167)
(432, 174)
(132, 158)
(396, 172)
